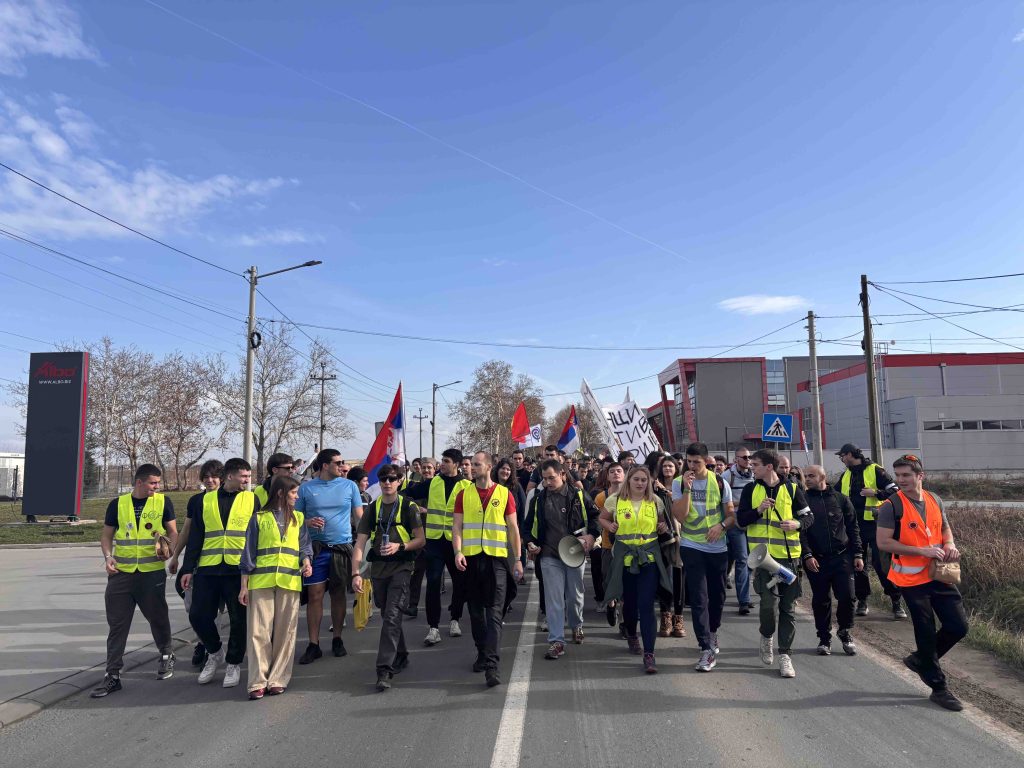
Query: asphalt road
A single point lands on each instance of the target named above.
(593, 707)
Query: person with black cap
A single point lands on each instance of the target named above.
(867, 485)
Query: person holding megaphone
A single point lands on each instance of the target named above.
(774, 511)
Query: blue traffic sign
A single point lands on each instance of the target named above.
(777, 427)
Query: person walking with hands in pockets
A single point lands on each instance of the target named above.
(278, 553)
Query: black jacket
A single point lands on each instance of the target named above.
(578, 517)
(835, 530)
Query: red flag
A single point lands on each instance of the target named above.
(520, 425)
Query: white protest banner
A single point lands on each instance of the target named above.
(606, 434)
(632, 429)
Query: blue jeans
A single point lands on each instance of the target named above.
(738, 552)
(563, 589)
(638, 593)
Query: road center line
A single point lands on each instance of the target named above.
(509, 742)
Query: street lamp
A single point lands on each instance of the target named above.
(251, 344)
(433, 415)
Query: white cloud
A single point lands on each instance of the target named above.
(149, 197)
(276, 237)
(355, 206)
(39, 28)
(490, 261)
(1019, 37)
(763, 305)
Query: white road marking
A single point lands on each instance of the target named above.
(509, 743)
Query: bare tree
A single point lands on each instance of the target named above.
(286, 401)
(484, 415)
(585, 425)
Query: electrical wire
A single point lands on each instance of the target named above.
(116, 222)
(951, 280)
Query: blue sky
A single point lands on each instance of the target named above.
(589, 173)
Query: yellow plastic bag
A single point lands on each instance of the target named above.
(364, 606)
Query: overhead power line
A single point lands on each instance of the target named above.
(116, 222)
(952, 279)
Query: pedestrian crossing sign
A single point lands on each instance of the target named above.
(777, 427)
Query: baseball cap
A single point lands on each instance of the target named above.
(847, 448)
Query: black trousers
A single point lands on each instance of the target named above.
(391, 595)
(124, 592)
(486, 581)
(705, 582)
(672, 603)
(597, 574)
(440, 555)
(416, 580)
(834, 576)
(924, 603)
(207, 592)
(862, 586)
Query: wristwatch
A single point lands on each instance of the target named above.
(401, 546)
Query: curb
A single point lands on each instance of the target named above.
(28, 704)
(54, 545)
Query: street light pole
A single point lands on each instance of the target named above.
(322, 378)
(433, 415)
(252, 342)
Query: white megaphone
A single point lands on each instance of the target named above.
(759, 558)
(570, 550)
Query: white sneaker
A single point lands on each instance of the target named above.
(707, 661)
(433, 637)
(714, 644)
(232, 675)
(454, 630)
(213, 661)
(786, 666)
(767, 650)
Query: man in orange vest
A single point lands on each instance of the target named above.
(912, 526)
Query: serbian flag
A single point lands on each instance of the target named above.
(520, 425)
(569, 440)
(389, 447)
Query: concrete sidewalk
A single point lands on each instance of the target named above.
(53, 627)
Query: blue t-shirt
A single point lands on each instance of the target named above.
(333, 500)
(698, 497)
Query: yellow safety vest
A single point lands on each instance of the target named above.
(782, 545)
(134, 548)
(695, 528)
(403, 534)
(225, 545)
(484, 530)
(636, 530)
(277, 554)
(870, 502)
(262, 494)
(439, 508)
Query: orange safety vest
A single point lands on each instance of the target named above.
(913, 570)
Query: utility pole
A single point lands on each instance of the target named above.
(814, 391)
(868, 344)
(420, 418)
(252, 343)
(322, 378)
(433, 415)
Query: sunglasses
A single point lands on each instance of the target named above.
(388, 479)
(910, 457)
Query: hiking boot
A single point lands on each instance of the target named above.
(825, 648)
(433, 637)
(454, 630)
(577, 635)
(649, 666)
(555, 651)
(946, 700)
(232, 675)
(714, 644)
(491, 678)
(678, 626)
(480, 664)
(707, 661)
(338, 647)
(634, 645)
(110, 684)
(898, 611)
(767, 650)
(862, 606)
(383, 681)
(166, 667)
(213, 661)
(311, 654)
(199, 655)
(849, 647)
(786, 666)
(665, 628)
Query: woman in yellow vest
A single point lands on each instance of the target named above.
(278, 552)
(638, 566)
